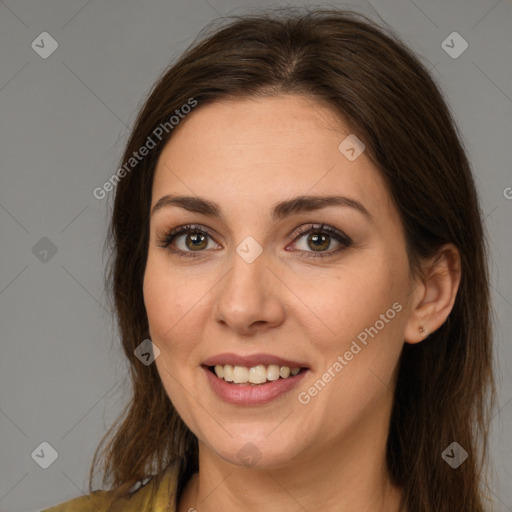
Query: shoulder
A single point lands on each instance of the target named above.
(159, 493)
(96, 501)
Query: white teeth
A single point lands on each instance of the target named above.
(284, 371)
(228, 373)
(255, 375)
(240, 375)
(273, 372)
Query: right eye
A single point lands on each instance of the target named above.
(195, 240)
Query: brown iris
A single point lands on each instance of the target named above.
(196, 240)
(320, 241)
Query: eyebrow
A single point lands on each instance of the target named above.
(280, 211)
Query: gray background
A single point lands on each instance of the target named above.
(63, 123)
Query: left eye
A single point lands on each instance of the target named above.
(317, 239)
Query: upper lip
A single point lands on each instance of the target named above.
(252, 360)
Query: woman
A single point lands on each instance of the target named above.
(299, 276)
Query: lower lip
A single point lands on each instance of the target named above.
(249, 394)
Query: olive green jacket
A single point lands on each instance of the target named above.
(157, 495)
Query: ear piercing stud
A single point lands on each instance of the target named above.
(423, 331)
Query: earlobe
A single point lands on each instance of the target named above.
(440, 283)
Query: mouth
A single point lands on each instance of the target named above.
(252, 380)
(254, 375)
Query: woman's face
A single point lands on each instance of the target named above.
(249, 292)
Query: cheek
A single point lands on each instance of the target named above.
(355, 298)
(167, 302)
(177, 305)
(360, 317)
(170, 310)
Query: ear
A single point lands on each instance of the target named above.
(435, 294)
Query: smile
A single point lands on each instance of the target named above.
(256, 375)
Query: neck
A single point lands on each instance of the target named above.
(347, 474)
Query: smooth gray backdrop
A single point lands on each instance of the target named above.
(64, 119)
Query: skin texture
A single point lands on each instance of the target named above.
(246, 155)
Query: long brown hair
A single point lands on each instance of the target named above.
(445, 387)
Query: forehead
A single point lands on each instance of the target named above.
(263, 150)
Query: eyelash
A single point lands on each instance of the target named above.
(166, 240)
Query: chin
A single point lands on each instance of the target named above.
(257, 454)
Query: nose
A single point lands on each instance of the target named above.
(250, 297)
